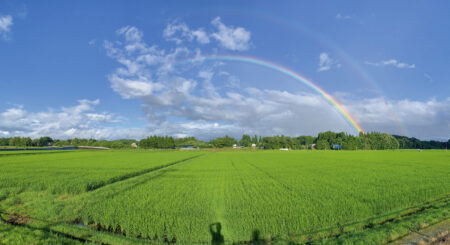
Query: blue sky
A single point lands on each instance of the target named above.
(102, 69)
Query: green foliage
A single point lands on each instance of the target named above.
(157, 142)
(191, 141)
(223, 142)
(245, 140)
(322, 145)
(413, 143)
(44, 141)
(369, 141)
(380, 141)
(276, 142)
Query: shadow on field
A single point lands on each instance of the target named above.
(216, 236)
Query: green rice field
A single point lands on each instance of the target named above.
(223, 197)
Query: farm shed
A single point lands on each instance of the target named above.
(187, 147)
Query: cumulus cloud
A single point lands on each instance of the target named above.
(206, 100)
(6, 21)
(233, 38)
(423, 119)
(392, 62)
(326, 62)
(188, 100)
(228, 37)
(67, 122)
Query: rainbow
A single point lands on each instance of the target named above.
(283, 70)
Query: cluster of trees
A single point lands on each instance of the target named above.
(26, 141)
(413, 143)
(368, 141)
(192, 141)
(159, 142)
(114, 144)
(276, 142)
(323, 141)
(247, 141)
(47, 141)
(223, 142)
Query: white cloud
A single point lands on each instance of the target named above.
(237, 39)
(206, 100)
(188, 100)
(229, 37)
(130, 88)
(423, 119)
(201, 36)
(79, 121)
(131, 33)
(343, 17)
(6, 21)
(326, 62)
(392, 62)
(262, 112)
(174, 28)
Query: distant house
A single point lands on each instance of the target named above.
(235, 146)
(253, 146)
(337, 147)
(187, 147)
(261, 147)
(284, 149)
(134, 145)
(313, 146)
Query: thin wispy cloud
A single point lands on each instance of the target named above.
(179, 32)
(22, 11)
(340, 16)
(6, 22)
(326, 62)
(428, 77)
(392, 62)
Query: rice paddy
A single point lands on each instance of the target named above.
(119, 197)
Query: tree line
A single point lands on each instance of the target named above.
(323, 141)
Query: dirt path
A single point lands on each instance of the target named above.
(436, 234)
